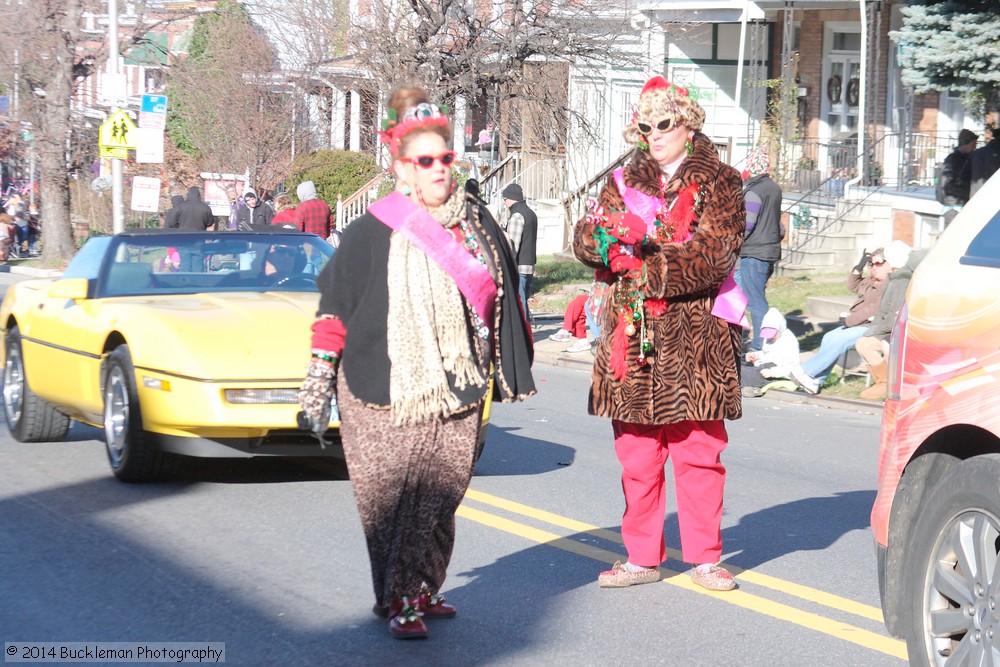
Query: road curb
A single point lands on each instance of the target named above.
(30, 271)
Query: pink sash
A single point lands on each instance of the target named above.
(731, 302)
(417, 226)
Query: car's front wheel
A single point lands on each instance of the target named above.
(132, 457)
(29, 417)
(952, 611)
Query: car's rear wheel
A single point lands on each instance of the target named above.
(130, 453)
(952, 610)
(29, 417)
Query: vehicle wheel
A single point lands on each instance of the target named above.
(30, 418)
(132, 457)
(952, 612)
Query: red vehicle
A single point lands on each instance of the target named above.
(936, 517)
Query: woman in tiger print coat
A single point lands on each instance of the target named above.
(666, 232)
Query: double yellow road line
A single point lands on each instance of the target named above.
(855, 635)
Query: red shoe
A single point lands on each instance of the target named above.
(430, 606)
(405, 621)
(434, 606)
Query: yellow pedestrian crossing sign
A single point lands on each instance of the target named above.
(117, 134)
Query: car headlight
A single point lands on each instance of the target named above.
(262, 396)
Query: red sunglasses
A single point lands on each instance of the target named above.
(427, 161)
(663, 126)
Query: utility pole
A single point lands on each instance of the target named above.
(117, 186)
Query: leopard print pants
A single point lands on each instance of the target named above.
(408, 482)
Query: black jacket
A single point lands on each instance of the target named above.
(172, 220)
(354, 287)
(529, 235)
(195, 214)
(954, 179)
(763, 232)
(247, 218)
(982, 164)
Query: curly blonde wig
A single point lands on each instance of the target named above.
(661, 99)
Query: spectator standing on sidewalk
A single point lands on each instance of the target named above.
(253, 213)
(284, 211)
(194, 214)
(666, 231)
(762, 238)
(312, 215)
(953, 184)
(982, 163)
(522, 230)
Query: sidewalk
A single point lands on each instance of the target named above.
(554, 354)
(32, 271)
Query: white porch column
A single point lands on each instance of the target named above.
(355, 120)
(338, 118)
(459, 120)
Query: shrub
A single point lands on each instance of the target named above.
(333, 172)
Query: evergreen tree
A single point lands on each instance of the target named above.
(951, 46)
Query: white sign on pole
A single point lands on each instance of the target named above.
(149, 145)
(145, 194)
(113, 91)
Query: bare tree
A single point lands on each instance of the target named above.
(509, 60)
(518, 52)
(230, 103)
(41, 61)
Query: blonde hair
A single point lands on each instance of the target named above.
(282, 203)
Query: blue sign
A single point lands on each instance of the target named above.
(154, 104)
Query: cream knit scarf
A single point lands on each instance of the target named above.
(428, 334)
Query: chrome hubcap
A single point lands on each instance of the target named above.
(116, 414)
(961, 614)
(13, 385)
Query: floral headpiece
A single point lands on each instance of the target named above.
(660, 99)
(420, 115)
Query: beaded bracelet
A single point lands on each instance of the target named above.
(329, 357)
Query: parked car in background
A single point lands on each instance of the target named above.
(936, 518)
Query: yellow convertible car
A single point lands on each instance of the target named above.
(172, 342)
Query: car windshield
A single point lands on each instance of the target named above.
(144, 264)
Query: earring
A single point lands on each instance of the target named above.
(689, 147)
(643, 146)
(405, 190)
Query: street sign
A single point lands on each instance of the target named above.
(112, 91)
(150, 146)
(118, 131)
(145, 194)
(153, 112)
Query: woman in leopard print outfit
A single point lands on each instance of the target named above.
(665, 233)
(418, 306)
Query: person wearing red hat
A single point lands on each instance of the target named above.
(665, 233)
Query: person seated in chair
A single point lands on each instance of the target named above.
(812, 374)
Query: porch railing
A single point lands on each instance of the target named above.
(355, 204)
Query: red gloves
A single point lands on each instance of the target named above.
(627, 227)
(620, 262)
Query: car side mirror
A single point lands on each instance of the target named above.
(70, 288)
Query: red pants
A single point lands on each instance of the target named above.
(575, 319)
(699, 480)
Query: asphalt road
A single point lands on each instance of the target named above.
(268, 556)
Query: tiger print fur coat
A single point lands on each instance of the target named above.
(693, 371)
